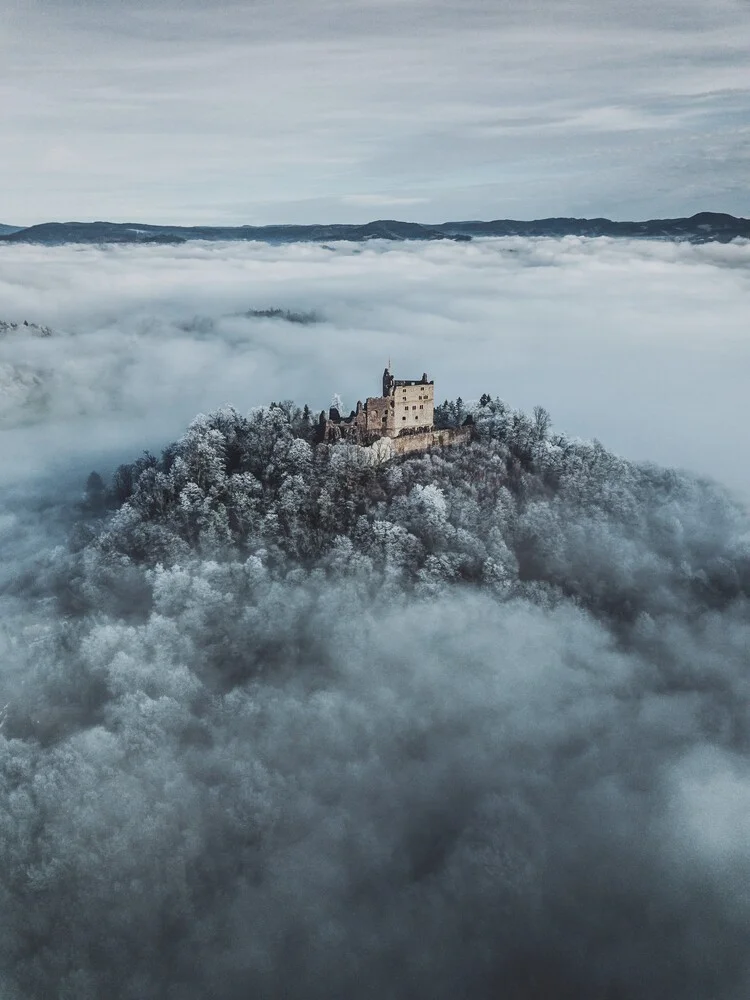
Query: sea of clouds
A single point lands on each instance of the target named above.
(641, 344)
(430, 794)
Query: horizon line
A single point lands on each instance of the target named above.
(367, 222)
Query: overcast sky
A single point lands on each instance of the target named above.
(291, 111)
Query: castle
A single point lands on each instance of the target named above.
(405, 413)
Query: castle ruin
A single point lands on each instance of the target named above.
(405, 413)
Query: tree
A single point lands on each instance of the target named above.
(95, 494)
(542, 423)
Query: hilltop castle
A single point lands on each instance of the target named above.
(405, 413)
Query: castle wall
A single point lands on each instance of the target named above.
(430, 439)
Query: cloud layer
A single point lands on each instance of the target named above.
(640, 344)
(287, 113)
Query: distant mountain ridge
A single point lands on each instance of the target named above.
(5, 229)
(701, 228)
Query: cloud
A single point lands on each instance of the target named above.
(614, 338)
(277, 113)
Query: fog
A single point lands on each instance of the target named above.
(280, 721)
(640, 344)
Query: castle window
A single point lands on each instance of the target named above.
(421, 407)
(413, 407)
(403, 418)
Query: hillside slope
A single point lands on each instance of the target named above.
(701, 228)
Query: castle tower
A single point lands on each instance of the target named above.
(413, 404)
(407, 405)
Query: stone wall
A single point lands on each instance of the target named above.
(383, 449)
(408, 443)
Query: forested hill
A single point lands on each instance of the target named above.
(286, 722)
(509, 512)
(701, 228)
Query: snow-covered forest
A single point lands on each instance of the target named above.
(522, 511)
(289, 722)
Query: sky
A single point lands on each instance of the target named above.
(286, 111)
(641, 344)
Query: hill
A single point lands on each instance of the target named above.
(6, 230)
(701, 228)
(287, 722)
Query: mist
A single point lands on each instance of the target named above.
(640, 344)
(278, 720)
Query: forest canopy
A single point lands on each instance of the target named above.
(520, 511)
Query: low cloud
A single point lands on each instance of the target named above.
(642, 345)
